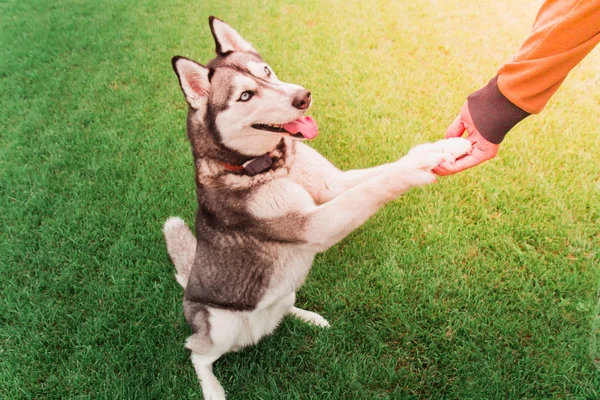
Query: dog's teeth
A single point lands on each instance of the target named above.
(269, 127)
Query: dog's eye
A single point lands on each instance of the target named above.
(267, 71)
(247, 95)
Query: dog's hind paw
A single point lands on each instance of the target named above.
(310, 317)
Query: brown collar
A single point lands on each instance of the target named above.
(259, 164)
(252, 167)
(234, 168)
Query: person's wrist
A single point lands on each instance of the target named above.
(493, 115)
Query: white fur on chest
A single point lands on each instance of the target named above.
(278, 198)
(292, 267)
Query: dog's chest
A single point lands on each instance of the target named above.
(281, 199)
(292, 266)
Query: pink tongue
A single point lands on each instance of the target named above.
(304, 125)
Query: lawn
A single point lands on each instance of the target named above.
(481, 286)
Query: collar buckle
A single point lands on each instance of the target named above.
(252, 167)
(258, 164)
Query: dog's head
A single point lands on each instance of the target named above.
(239, 99)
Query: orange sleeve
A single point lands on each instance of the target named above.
(564, 32)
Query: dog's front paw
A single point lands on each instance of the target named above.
(429, 155)
(424, 157)
(456, 147)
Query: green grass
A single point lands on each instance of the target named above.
(482, 286)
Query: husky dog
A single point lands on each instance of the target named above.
(267, 203)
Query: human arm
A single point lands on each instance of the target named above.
(564, 32)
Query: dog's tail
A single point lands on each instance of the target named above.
(181, 245)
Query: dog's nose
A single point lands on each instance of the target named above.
(301, 99)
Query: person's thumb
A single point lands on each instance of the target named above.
(456, 128)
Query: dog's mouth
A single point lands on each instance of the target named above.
(301, 128)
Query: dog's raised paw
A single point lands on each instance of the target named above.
(457, 147)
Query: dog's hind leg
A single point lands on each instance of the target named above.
(310, 317)
(307, 316)
(211, 388)
(204, 354)
(216, 333)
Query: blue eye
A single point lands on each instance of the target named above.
(247, 95)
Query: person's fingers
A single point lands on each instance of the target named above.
(444, 169)
(456, 128)
(467, 162)
(440, 170)
(482, 152)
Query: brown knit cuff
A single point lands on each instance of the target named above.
(492, 113)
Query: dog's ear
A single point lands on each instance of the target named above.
(226, 38)
(193, 79)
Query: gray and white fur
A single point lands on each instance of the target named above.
(256, 236)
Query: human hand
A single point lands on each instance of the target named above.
(483, 150)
